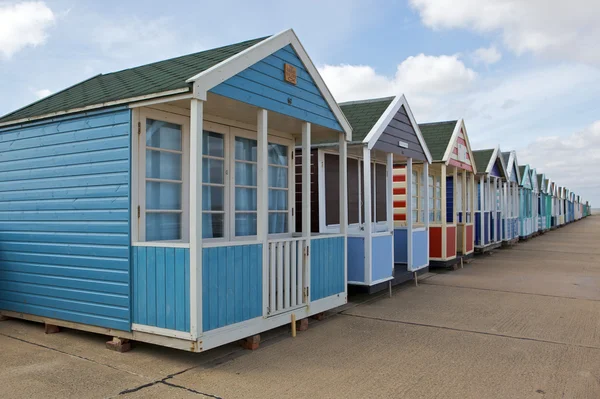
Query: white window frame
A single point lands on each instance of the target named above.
(138, 174)
(432, 191)
(230, 133)
(354, 228)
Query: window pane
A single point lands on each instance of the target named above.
(245, 199)
(245, 174)
(213, 198)
(163, 165)
(163, 226)
(245, 224)
(438, 216)
(430, 180)
(161, 134)
(414, 216)
(245, 149)
(278, 177)
(438, 204)
(278, 222)
(213, 144)
(431, 215)
(278, 154)
(278, 200)
(161, 195)
(213, 225)
(212, 171)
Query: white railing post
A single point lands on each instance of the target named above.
(368, 226)
(306, 228)
(262, 196)
(343, 158)
(196, 121)
(409, 214)
(427, 210)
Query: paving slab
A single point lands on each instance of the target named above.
(29, 371)
(353, 357)
(149, 361)
(556, 319)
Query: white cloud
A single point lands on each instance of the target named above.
(544, 27)
(569, 160)
(42, 93)
(424, 79)
(487, 56)
(23, 24)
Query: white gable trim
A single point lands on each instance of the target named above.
(217, 74)
(459, 124)
(384, 120)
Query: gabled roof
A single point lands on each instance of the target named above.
(363, 115)
(510, 161)
(525, 174)
(482, 159)
(486, 159)
(534, 181)
(541, 185)
(438, 137)
(195, 73)
(158, 77)
(369, 119)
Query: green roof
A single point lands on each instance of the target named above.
(540, 179)
(148, 79)
(522, 170)
(482, 159)
(362, 115)
(437, 137)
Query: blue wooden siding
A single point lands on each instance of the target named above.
(356, 259)
(263, 85)
(232, 284)
(64, 218)
(420, 251)
(449, 198)
(327, 257)
(486, 227)
(382, 257)
(478, 229)
(400, 246)
(161, 287)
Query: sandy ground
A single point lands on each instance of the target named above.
(521, 323)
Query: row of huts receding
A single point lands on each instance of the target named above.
(204, 199)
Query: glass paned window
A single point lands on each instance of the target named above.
(278, 188)
(213, 185)
(415, 196)
(435, 199)
(245, 186)
(163, 181)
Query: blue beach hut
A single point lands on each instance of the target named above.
(158, 203)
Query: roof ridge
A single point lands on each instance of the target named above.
(438, 123)
(187, 55)
(367, 101)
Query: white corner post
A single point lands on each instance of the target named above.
(426, 196)
(368, 222)
(472, 196)
(444, 219)
(454, 201)
(306, 156)
(409, 214)
(262, 205)
(343, 158)
(481, 210)
(196, 121)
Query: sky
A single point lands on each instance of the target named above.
(524, 75)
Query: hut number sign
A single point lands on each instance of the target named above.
(289, 73)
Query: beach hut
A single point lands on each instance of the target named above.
(491, 173)
(526, 203)
(571, 212)
(452, 193)
(544, 213)
(561, 205)
(510, 203)
(535, 197)
(157, 203)
(385, 133)
(553, 188)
